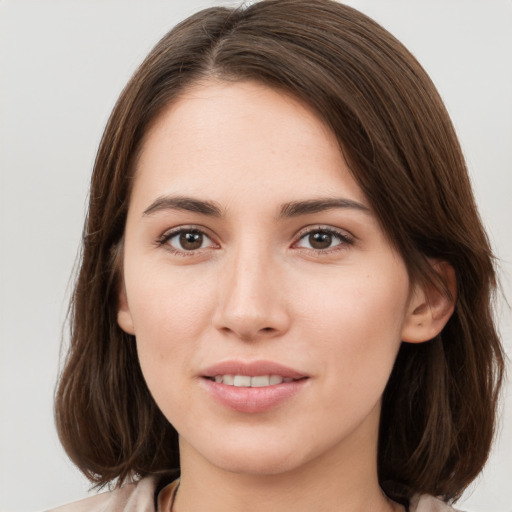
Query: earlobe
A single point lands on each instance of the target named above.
(124, 316)
(430, 308)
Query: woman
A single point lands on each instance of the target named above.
(285, 286)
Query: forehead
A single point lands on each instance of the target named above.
(225, 139)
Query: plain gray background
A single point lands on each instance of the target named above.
(62, 66)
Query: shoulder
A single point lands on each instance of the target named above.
(134, 497)
(426, 503)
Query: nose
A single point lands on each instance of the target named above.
(252, 297)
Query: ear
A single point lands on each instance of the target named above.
(124, 316)
(429, 308)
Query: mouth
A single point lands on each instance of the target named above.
(252, 387)
(252, 373)
(256, 381)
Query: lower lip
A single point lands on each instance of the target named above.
(253, 400)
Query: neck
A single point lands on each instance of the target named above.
(343, 479)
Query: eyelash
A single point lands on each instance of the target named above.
(344, 239)
(166, 237)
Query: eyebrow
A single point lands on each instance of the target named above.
(288, 210)
(188, 204)
(296, 208)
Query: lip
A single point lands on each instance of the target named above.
(247, 399)
(252, 369)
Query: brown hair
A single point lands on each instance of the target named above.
(439, 406)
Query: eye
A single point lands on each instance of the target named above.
(187, 240)
(322, 239)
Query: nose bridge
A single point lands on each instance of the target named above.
(250, 302)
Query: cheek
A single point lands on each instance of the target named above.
(352, 302)
(170, 311)
(356, 319)
(170, 317)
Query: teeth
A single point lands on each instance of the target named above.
(228, 379)
(244, 381)
(260, 381)
(275, 379)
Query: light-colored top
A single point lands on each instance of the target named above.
(140, 497)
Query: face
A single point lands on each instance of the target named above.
(267, 303)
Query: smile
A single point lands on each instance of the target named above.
(245, 381)
(252, 386)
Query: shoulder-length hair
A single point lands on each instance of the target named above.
(439, 406)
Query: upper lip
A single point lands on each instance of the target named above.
(251, 369)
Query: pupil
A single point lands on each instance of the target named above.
(191, 241)
(320, 240)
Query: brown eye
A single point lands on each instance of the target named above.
(320, 240)
(323, 239)
(190, 241)
(187, 240)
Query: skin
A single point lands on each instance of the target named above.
(258, 289)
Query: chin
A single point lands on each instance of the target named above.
(258, 463)
(257, 457)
